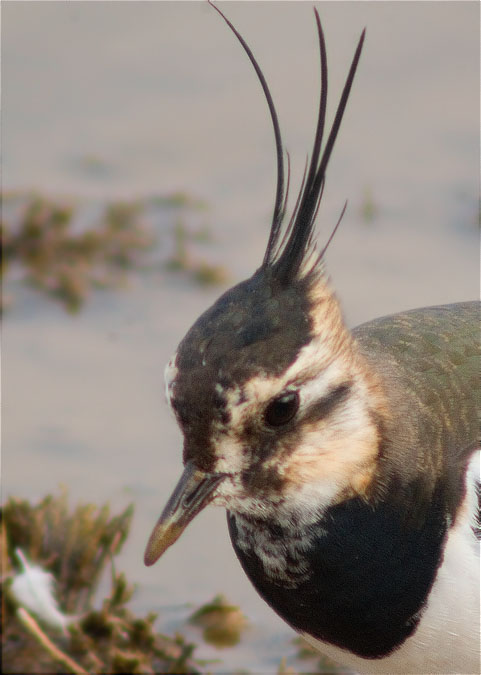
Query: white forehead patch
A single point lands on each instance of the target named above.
(229, 448)
(170, 373)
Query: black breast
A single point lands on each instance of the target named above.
(369, 574)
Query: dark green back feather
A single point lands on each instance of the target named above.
(428, 361)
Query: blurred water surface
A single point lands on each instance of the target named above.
(106, 100)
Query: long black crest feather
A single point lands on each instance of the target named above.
(286, 260)
(289, 262)
(279, 204)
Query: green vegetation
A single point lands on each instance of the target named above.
(75, 547)
(65, 253)
(221, 622)
(60, 554)
(182, 260)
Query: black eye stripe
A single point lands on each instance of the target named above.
(323, 407)
(282, 409)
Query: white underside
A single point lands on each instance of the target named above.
(447, 640)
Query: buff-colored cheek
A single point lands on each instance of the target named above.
(349, 463)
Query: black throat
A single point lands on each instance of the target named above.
(367, 571)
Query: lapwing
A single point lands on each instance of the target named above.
(345, 458)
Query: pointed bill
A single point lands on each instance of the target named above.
(194, 490)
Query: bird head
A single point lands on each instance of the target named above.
(267, 386)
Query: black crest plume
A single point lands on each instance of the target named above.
(285, 257)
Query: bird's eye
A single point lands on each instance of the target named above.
(281, 410)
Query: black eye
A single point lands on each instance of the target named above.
(281, 410)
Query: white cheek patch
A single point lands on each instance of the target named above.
(312, 359)
(170, 373)
(230, 457)
(259, 390)
(317, 388)
(338, 456)
(248, 403)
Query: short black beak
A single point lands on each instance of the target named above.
(194, 490)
